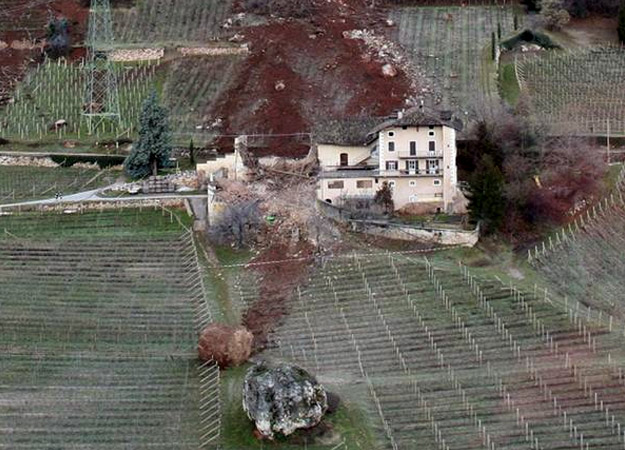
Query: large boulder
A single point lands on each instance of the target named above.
(227, 346)
(282, 399)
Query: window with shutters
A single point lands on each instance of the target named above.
(391, 165)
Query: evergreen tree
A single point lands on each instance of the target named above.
(493, 46)
(153, 148)
(486, 195)
(621, 22)
(192, 153)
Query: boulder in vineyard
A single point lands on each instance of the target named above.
(282, 399)
(227, 346)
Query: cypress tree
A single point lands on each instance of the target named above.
(191, 153)
(153, 148)
(621, 22)
(486, 195)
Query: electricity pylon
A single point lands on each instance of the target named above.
(101, 96)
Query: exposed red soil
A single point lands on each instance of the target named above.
(14, 62)
(324, 75)
(276, 288)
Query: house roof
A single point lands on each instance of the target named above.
(347, 132)
(364, 130)
(418, 117)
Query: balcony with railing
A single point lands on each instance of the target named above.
(413, 173)
(419, 155)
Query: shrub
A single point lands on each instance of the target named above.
(102, 161)
(554, 14)
(57, 38)
(384, 198)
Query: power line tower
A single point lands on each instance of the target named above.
(101, 96)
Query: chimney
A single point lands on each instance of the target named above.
(400, 114)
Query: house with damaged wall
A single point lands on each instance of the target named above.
(414, 152)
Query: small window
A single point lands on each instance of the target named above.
(405, 127)
(391, 133)
(391, 165)
(335, 184)
(431, 132)
(437, 182)
(413, 148)
(344, 159)
(412, 183)
(432, 146)
(431, 127)
(391, 146)
(391, 184)
(364, 184)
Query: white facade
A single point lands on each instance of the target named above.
(419, 162)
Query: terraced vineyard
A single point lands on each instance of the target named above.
(589, 268)
(99, 316)
(451, 44)
(54, 91)
(581, 93)
(160, 22)
(453, 362)
(19, 183)
(193, 86)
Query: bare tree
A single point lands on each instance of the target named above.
(239, 223)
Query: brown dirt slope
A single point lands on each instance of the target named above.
(22, 27)
(323, 73)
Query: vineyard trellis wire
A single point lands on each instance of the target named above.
(49, 94)
(165, 22)
(23, 182)
(577, 92)
(472, 347)
(448, 43)
(117, 312)
(586, 219)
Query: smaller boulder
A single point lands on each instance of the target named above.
(389, 71)
(227, 346)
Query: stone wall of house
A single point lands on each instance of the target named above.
(404, 232)
(441, 236)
